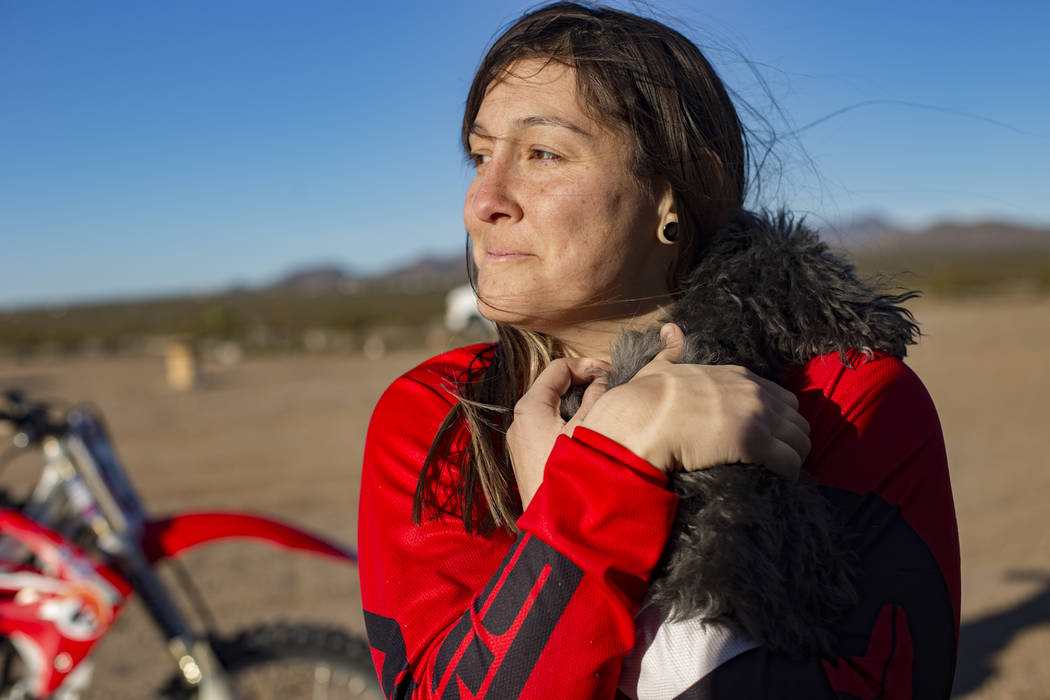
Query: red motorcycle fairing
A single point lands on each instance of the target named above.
(167, 538)
(55, 605)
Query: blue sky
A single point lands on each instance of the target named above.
(161, 147)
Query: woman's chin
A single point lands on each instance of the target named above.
(512, 311)
(500, 310)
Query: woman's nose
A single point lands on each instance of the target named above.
(495, 192)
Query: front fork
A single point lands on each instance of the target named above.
(198, 665)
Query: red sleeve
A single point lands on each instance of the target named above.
(878, 454)
(545, 614)
(877, 431)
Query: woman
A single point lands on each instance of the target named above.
(505, 552)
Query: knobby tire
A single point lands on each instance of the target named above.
(292, 662)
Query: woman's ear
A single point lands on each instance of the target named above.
(667, 233)
(665, 205)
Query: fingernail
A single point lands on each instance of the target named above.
(667, 332)
(595, 371)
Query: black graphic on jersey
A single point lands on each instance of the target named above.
(385, 635)
(518, 611)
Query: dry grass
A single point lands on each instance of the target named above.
(285, 436)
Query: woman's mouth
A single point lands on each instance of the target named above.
(504, 254)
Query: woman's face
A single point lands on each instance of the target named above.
(562, 232)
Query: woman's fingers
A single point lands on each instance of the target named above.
(794, 430)
(783, 458)
(656, 415)
(598, 386)
(781, 409)
(777, 392)
(537, 419)
(674, 342)
(555, 380)
(787, 448)
(777, 436)
(791, 414)
(690, 417)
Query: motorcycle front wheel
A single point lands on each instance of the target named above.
(292, 662)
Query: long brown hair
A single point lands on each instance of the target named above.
(646, 79)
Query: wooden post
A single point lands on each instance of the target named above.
(180, 359)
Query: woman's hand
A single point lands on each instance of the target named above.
(689, 417)
(676, 416)
(537, 417)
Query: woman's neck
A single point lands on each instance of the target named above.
(594, 338)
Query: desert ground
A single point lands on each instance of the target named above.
(284, 436)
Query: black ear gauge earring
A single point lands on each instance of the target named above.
(668, 235)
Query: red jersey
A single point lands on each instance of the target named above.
(550, 612)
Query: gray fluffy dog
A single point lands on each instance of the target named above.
(750, 548)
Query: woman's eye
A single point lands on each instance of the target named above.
(540, 154)
(479, 158)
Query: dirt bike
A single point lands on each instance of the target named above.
(82, 542)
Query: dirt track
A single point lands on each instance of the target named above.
(285, 435)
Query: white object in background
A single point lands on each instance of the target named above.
(461, 310)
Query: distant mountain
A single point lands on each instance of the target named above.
(978, 237)
(849, 232)
(313, 278)
(430, 269)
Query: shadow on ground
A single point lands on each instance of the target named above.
(981, 640)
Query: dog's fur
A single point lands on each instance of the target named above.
(750, 548)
